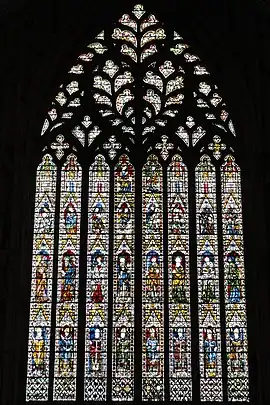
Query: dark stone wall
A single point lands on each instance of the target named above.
(39, 40)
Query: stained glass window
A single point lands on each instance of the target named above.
(96, 331)
(152, 282)
(208, 282)
(66, 330)
(179, 282)
(138, 245)
(234, 286)
(42, 277)
(123, 281)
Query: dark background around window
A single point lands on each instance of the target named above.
(39, 42)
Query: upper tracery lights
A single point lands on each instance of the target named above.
(138, 38)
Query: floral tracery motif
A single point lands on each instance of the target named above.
(164, 147)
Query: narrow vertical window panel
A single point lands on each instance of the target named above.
(123, 281)
(234, 274)
(95, 382)
(208, 282)
(65, 365)
(179, 282)
(41, 286)
(152, 282)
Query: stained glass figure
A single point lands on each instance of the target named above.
(234, 274)
(65, 366)
(208, 282)
(152, 282)
(41, 289)
(178, 281)
(95, 382)
(123, 281)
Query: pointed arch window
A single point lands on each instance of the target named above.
(138, 277)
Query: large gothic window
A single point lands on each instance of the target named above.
(138, 279)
